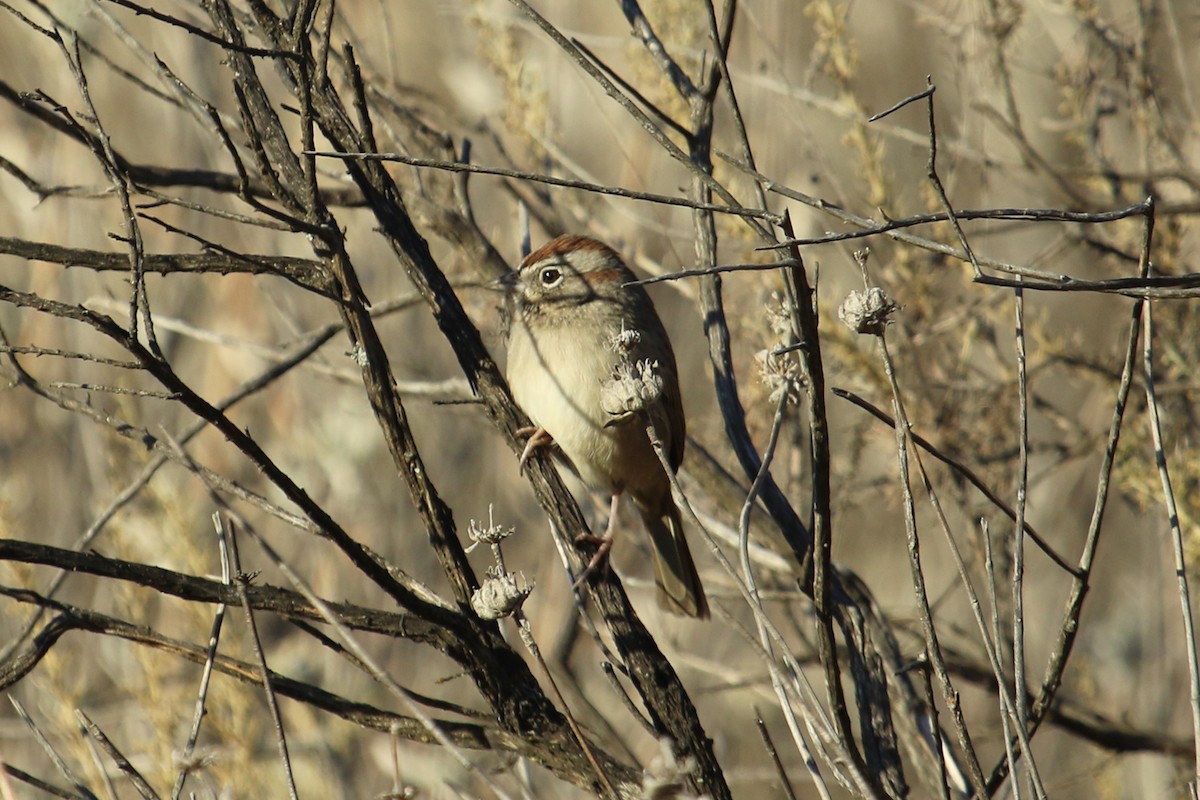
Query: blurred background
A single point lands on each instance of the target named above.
(1082, 106)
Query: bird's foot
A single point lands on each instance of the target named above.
(603, 543)
(599, 560)
(538, 438)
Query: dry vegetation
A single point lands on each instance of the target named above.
(249, 389)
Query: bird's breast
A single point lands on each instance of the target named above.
(556, 376)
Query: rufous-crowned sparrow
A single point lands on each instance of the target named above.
(574, 320)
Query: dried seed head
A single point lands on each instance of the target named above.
(867, 312)
(779, 316)
(500, 595)
(625, 341)
(492, 534)
(631, 389)
(780, 372)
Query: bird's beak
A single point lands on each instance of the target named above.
(508, 282)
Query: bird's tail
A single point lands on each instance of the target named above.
(679, 588)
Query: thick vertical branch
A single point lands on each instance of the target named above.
(818, 574)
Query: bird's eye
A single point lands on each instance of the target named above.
(551, 277)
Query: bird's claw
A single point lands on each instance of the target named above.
(538, 438)
(599, 559)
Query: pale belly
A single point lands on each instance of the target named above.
(559, 382)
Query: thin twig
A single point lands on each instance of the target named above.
(71, 618)
(127, 769)
(634, 712)
(994, 214)
(214, 638)
(71, 354)
(479, 169)
(227, 532)
(991, 648)
(769, 746)
(934, 733)
(966, 472)
(658, 50)
(756, 487)
(39, 784)
(1177, 548)
(630, 89)
(816, 715)
(933, 650)
(139, 300)
(106, 780)
(935, 179)
(201, 33)
(525, 631)
(1006, 720)
(1018, 557)
(699, 174)
(377, 671)
(1068, 630)
(122, 390)
(59, 762)
(1159, 287)
(816, 560)
(1173, 287)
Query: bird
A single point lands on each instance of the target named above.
(575, 320)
